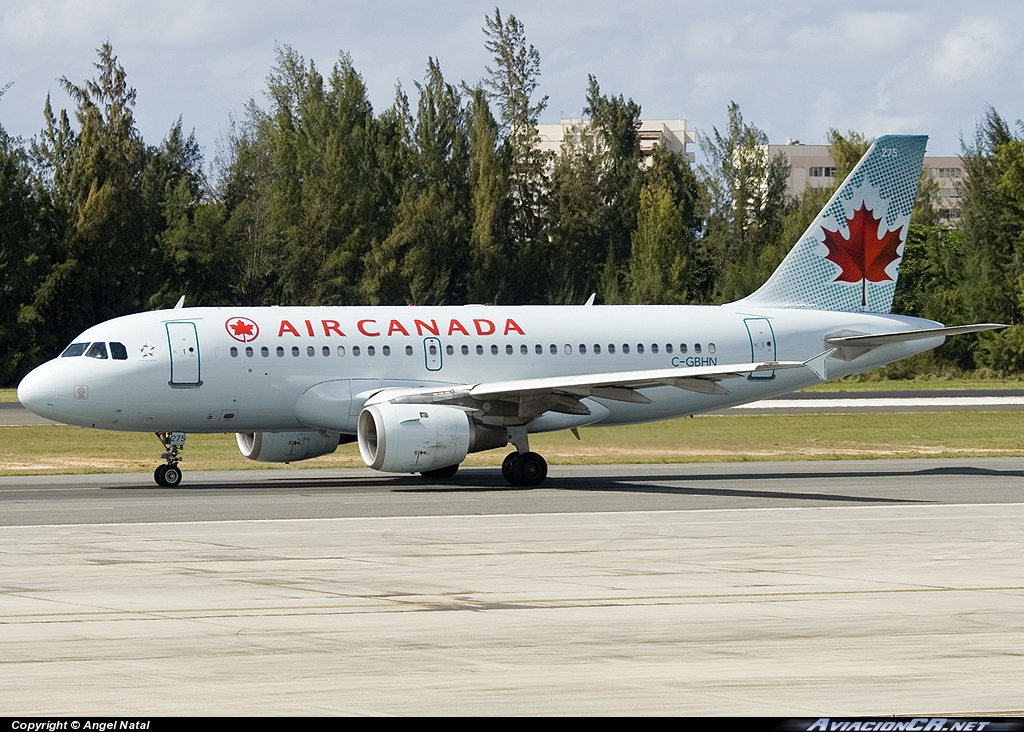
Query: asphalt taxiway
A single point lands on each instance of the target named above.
(791, 589)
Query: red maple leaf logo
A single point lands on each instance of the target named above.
(242, 329)
(864, 256)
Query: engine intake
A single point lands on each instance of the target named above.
(413, 438)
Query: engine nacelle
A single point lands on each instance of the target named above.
(286, 447)
(413, 438)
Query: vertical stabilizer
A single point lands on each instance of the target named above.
(849, 258)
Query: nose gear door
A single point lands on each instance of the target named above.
(185, 362)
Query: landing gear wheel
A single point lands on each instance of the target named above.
(529, 469)
(441, 473)
(506, 467)
(167, 476)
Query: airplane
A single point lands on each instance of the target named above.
(419, 388)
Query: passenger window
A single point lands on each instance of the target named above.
(248, 351)
(625, 348)
(654, 348)
(264, 351)
(386, 350)
(583, 348)
(465, 350)
(682, 348)
(554, 349)
(611, 348)
(341, 350)
(408, 350)
(118, 352)
(97, 350)
(711, 348)
(494, 350)
(508, 349)
(479, 350)
(371, 351)
(355, 350)
(597, 349)
(75, 349)
(310, 351)
(295, 351)
(523, 349)
(233, 352)
(539, 349)
(639, 347)
(668, 348)
(280, 351)
(696, 348)
(450, 350)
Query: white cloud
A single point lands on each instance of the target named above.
(975, 50)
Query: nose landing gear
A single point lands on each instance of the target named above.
(168, 475)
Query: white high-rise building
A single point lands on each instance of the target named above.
(670, 133)
(812, 165)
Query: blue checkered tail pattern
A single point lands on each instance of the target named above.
(849, 258)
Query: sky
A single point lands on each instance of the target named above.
(795, 67)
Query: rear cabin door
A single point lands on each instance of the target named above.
(185, 361)
(762, 345)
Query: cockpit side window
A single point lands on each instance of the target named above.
(118, 352)
(75, 349)
(97, 350)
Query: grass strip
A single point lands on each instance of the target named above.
(61, 449)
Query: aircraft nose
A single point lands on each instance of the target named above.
(37, 391)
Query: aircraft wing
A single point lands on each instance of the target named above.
(532, 397)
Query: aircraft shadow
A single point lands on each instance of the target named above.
(489, 481)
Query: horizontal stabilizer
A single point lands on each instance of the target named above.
(869, 340)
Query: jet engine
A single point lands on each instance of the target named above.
(414, 438)
(286, 447)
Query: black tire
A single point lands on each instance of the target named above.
(158, 474)
(172, 476)
(529, 469)
(441, 473)
(506, 467)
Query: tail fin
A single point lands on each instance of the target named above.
(848, 259)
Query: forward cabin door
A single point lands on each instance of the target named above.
(762, 345)
(185, 362)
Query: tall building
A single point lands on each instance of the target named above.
(812, 165)
(670, 133)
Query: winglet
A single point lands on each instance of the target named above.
(817, 364)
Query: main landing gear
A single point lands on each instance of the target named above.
(168, 475)
(524, 468)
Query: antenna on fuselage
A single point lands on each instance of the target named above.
(180, 304)
(590, 300)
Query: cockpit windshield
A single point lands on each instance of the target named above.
(75, 349)
(97, 350)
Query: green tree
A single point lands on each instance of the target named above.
(426, 257)
(667, 263)
(106, 256)
(489, 169)
(746, 201)
(512, 82)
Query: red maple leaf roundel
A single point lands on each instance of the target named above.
(242, 329)
(864, 256)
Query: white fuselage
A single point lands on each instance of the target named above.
(246, 369)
